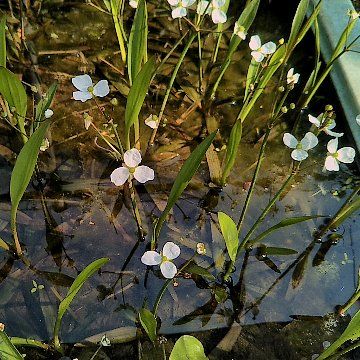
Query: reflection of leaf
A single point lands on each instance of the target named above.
(321, 253)
(269, 250)
(55, 278)
(188, 348)
(193, 268)
(299, 271)
(148, 322)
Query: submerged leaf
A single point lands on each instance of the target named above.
(148, 322)
(193, 268)
(188, 348)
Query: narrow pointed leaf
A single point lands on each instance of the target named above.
(45, 102)
(3, 42)
(251, 75)
(298, 21)
(188, 348)
(7, 350)
(149, 323)
(196, 269)
(230, 234)
(269, 250)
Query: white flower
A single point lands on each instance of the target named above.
(358, 119)
(105, 341)
(48, 113)
(291, 77)
(260, 51)
(87, 89)
(301, 148)
(152, 121)
(45, 144)
(170, 252)
(134, 3)
(344, 155)
(218, 16)
(132, 159)
(239, 30)
(180, 7)
(327, 128)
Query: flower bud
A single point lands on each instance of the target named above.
(284, 109)
(292, 106)
(281, 89)
(281, 41)
(200, 248)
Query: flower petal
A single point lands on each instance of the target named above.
(173, 2)
(290, 140)
(333, 133)
(171, 250)
(332, 146)
(152, 121)
(255, 42)
(202, 6)
(120, 175)
(143, 174)
(346, 155)
(218, 3)
(132, 158)
(151, 258)
(101, 89)
(168, 269)
(178, 12)
(133, 3)
(290, 73)
(82, 95)
(82, 82)
(314, 120)
(299, 154)
(309, 141)
(187, 3)
(268, 48)
(331, 164)
(296, 78)
(258, 56)
(218, 16)
(48, 113)
(358, 119)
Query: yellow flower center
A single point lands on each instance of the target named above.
(90, 89)
(131, 170)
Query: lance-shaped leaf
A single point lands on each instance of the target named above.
(230, 234)
(188, 347)
(251, 76)
(298, 21)
(183, 178)
(3, 41)
(7, 350)
(148, 322)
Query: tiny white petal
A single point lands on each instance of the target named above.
(168, 269)
(218, 16)
(173, 2)
(332, 146)
(309, 141)
(82, 82)
(333, 133)
(268, 48)
(87, 122)
(218, 3)
(82, 95)
(101, 89)
(132, 158)
(151, 121)
(331, 164)
(290, 73)
(358, 119)
(239, 30)
(133, 3)
(299, 154)
(151, 258)
(314, 120)
(48, 113)
(290, 140)
(255, 42)
(143, 174)
(119, 176)
(178, 12)
(45, 145)
(187, 3)
(202, 6)
(258, 56)
(346, 155)
(331, 124)
(296, 78)
(171, 250)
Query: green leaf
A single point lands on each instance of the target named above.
(137, 94)
(24, 168)
(347, 211)
(230, 234)
(4, 245)
(14, 93)
(269, 250)
(45, 102)
(149, 323)
(251, 76)
(3, 41)
(7, 350)
(74, 289)
(351, 333)
(183, 178)
(193, 268)
(188, 348)
(137, 47)
(297, 22)
(232, 149)
(283, 223)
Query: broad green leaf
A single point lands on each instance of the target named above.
(297, 22)
(149, 323)
(230, 234)
(74, 289)
(137, 94)
(283, 223)
(269, 250)
(7, 350)
(193, 268)
(183, 178)
(24, 168)
(232, 149)
(45, 102)
(188, 348)
(137, 47)
(351, 333)
(14, 93)
(3, 42)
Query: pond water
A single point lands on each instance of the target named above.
(280, 307)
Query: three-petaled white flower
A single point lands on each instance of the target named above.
(213, 8)
(239, 30)
(170, 252)
(260, 51)
(326, 127)
(86, 88)
(301, 147)
(131, 168)
(344, 155)
(152, 121)
(134, 3)
(48, 113)
(180, 7)
(292, 78)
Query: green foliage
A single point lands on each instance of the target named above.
(193, 268)
(3, 41)
(251, 76)
(351, 333)
(149, 323)
(7, 350)
(182, 180)
(4, 245)
(269, 250)
(188, 348)
(137, 48)
(45, 102)
(297, 22)
(74, 289)
(115, 6)
(346, 212)
(230, 234)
